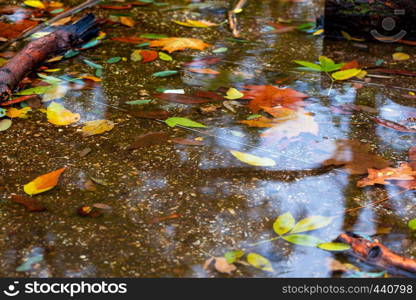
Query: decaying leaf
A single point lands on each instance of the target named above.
(220, 264)
(57, 114)
(29, 203)
(97, 127)
(149, 139)
(175, 44)
(356, 157)
(43, 183)
(403, 173)
(18, 113)
(253, 160)
(187, 142)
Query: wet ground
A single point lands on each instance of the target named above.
(207, 201)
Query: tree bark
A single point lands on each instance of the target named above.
(39, 50)
(378, 255)
(365, 18)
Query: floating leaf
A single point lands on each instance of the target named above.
(252, 159)
(5, 124)
(136, 55)
(97, 127)
(56, 91)
(39, 90)
(309, 65)
(221, 265)
(400, 56)
(311, 223)
(403, 173)
(233, 94)
(302, 239)
(284, 223)
(233, 256)
(334, 246)
(127, 21)
(43, 183)
(113, 60)
(204, 71)
(259, 262)
(346, 74)
(197, 24)
(165, 73)
(176, 44)
(92, 64)
(148, 55)
(328, 65)
(220, 50)
(172, 122)
(29, 203)
(149, 139)
(57, 114)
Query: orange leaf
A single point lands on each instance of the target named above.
(11, 31)
(204, 71)
(270, 96)
(404, 172)
(175, 43)
(127, 21)
(351, 65)
(261, 122)
(43, 183)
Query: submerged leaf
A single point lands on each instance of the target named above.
(173, 121)
(334, 246)
(259, 262)
(175, 44)
(97, 127)
(311, 223)
(284, 223)
(302, 239)
(57, 114)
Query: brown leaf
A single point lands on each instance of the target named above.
(221, 265)
(175, 44)
(149, 139)
(11, 31)
(356, 157)
(393, 125)
(187, 142)
(29, 203)
(151, 114)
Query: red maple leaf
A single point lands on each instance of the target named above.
(270, 96)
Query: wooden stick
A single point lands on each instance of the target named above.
(70, 12)
(232, 18)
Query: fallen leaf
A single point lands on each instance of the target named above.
(151, 114)
(233, 94)
(259, 262)
(399, 56)
(149, 139)
(270, 96)
(5, 124)
(165, 73)
(57, 114)
(303, 240)
(356, 157)
(97, 127)
(43, 183)
(331, 246)
(174, 121)
(197, 24)
(302, 122)
(18, 113)
(220, 264)
(35, 4)
(260, 122)
(253, 160)
(127, 21)
(284, 223)
(29, 203)
(176, 44)
(346, 74)
(393, 125)
(202, 62)
(311, 223)
(403, 172)
(148, 55)
(204, 71)
(187, 142)
(351, 65)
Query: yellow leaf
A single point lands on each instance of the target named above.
(253, 160)
(259, 262)
(56, 58)
(346, 74)
(18, 113)
(175, 43)
(198, 24)
(233, 94)
(318, 32)
(127, 21)
(348, 37)
(43, 183)
(401, 56)
(97, 127)
(35, 4)
(55, 92)
(362, 74)
(62, 21)
(58, 115)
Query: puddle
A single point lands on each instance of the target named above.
(174, 205)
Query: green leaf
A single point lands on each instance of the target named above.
(91, 44)
(153, 36)
(92, 64)
(284, 223)
(311, 223)
(251, 117)
(233, 256)
(303, 240)
(114, 60)
(39, 90)
(173, 121)
(5, 124)
(2, 112)
(136, 56)
(412, 224)
(138, 102)
(334, 246)
(328, 65)
(259, 262)
(165, 73)
(309, 65)
(220, 50)
(346, 74)
(165, 57)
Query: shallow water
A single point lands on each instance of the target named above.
(220, 203)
